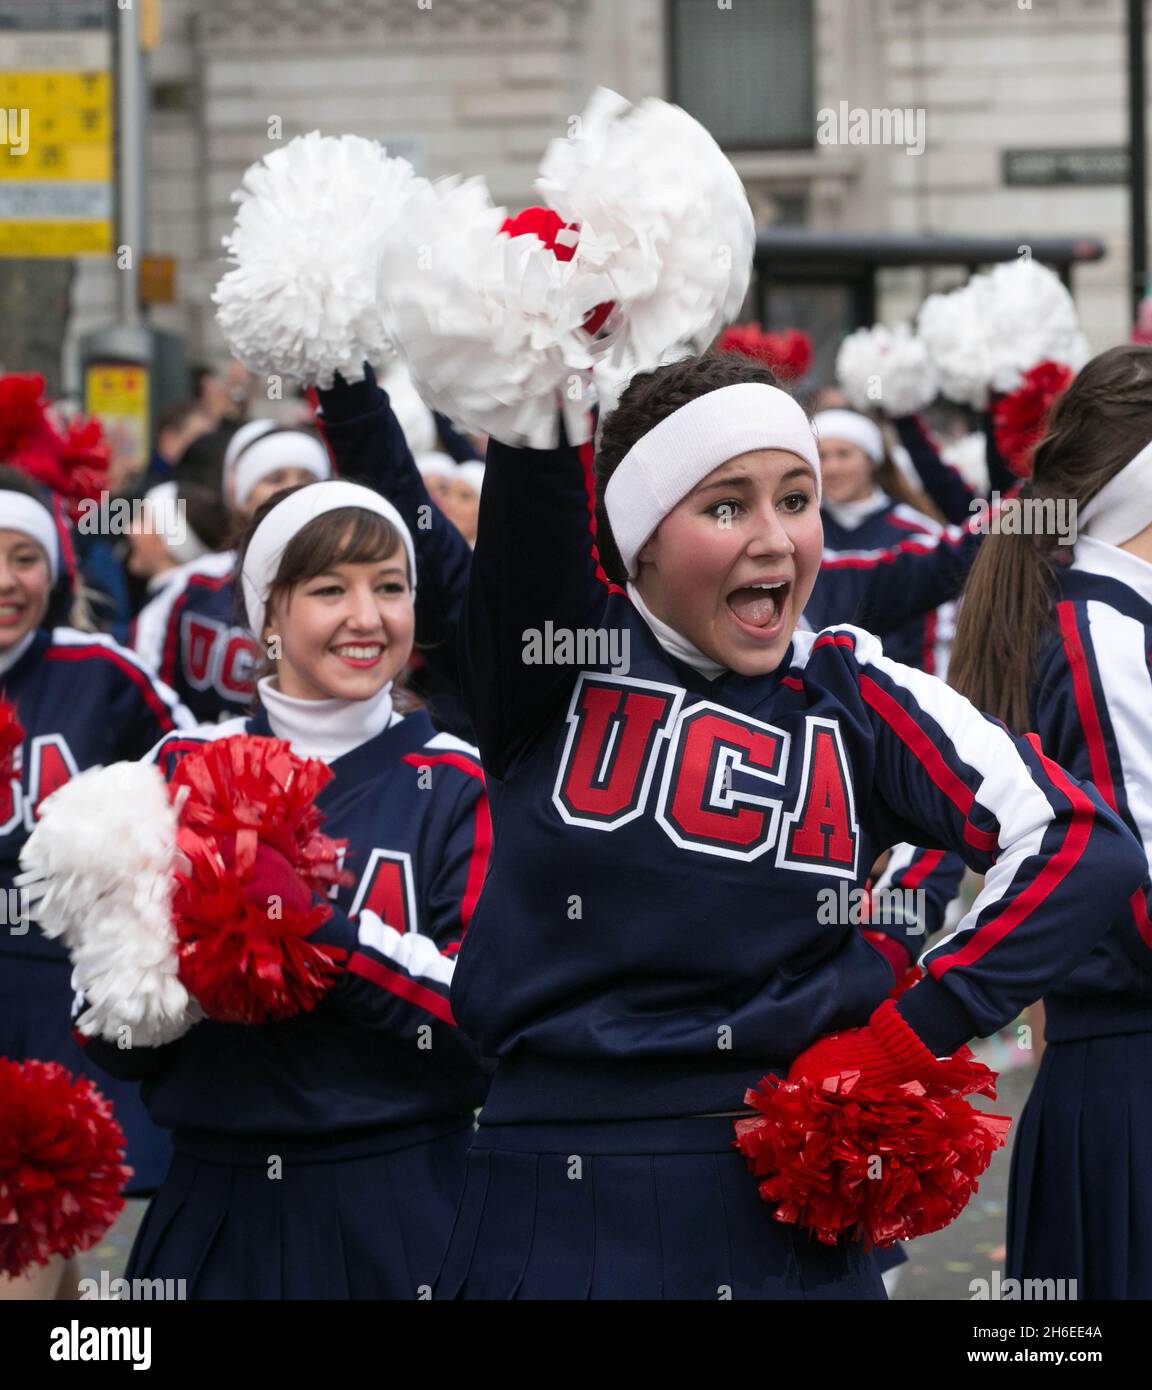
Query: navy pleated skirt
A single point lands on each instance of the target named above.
(1080, 1194)
(646, 1209)
(371, 1226)
(36, 1023)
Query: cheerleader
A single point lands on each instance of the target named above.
(193, 632)
(362, 1109)
(620, 966)
(1058, 641)
(81, 700)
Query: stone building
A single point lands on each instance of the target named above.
(480, 86)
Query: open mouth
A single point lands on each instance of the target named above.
(11, 614)
(361, 656)
(761, 608)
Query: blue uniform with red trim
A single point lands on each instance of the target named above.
(194, 634)
(1080, 1198)
(648, 941)
(369, 1099)
(82, 701)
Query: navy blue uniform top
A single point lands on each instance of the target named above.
(196, 637)
(921, 641)
(1092, 707)
(648, 940)
(382, 1048)
(83, 701)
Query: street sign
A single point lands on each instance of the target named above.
(1050, 168)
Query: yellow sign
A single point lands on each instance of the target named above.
(56, 149)
(117, 393)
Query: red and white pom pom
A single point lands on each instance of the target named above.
(98, 871)
(1020, 419)
(145, 883)
(969, 456)
(60, 1165)
(248, 961)
(886, 367)
(490, 325)
(1028, 318)
(301, 298)
(665, 231)
(874, 1163)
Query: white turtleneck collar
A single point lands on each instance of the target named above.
(1098, 557)
(326, 729)
(852, 514)
(9, 658)
(672, 642)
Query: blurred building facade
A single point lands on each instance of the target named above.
(481, 86)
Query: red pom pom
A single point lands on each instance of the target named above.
(788, 354)
(60, 1165)
(1020, 419)
(246, 959)
(546, 225)
(876, 1163)
(73, 462)
(11, 739)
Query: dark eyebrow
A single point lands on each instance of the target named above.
(335, 574)
(742, 480)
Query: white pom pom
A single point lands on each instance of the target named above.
(969, 456)
(98, 873)
(888, 367)
(489, 325)
(1028, 317)
(951, 328)
(665, 229)
(301, 298)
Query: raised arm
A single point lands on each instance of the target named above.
(535, 563)
(941, 481)
(369, 446)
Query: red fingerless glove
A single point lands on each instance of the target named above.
(272, 878)
(887, 1050)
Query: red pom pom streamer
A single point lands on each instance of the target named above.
(1020, 419)
(817, 1151)
(11, 741)
(72, 462)
(241, 960)
(546, 225)
(60, 1165)
(788, 354)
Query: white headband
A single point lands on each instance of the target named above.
(242, 438)
(271, 451)
(287, 518)
(664, 465)
(19, 512)
(1123, 506)
(167, 517)
(855, 428)
(436, 464)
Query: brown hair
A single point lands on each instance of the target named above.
(343, 536)
(649, 398)
(1101, 422)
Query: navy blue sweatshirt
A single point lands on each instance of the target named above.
(1092, 707)
(648, 942)
(382, 1050)
(195, 636)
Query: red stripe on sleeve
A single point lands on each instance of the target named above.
(1055, 870)
(930, 861)
(402, 986)
(135, 675)
(930, 758)
(1086, 703)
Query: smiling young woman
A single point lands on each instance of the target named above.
(369, 1098)
(81, 701)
